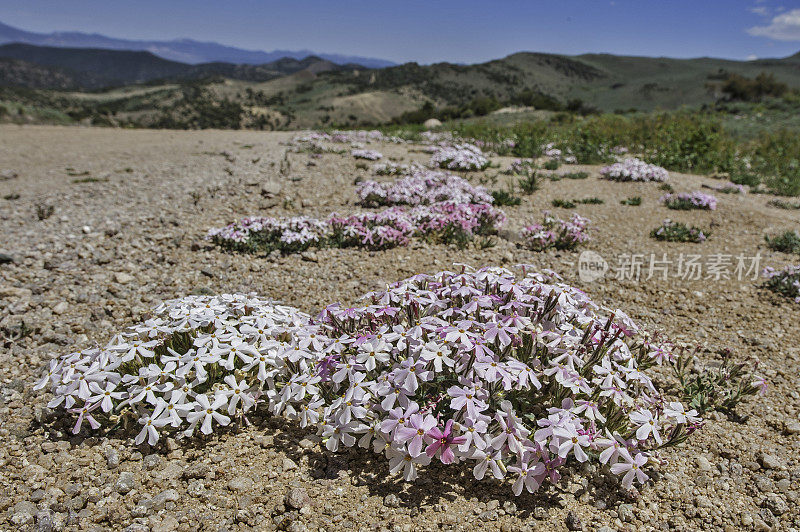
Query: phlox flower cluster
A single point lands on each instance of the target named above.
(459, 157)
(671, 231)
(288, 235)
(634, 170)
(441, 138)
(345, 137)
(313, 136)
(382, 230)
(370, 155)
(785, 282)
(556, 233)
(199, 362)
(315, 141)
(499, 146)
(391, 168)
(521, 166)
(550, 150)
(689, 200)
(350, 136)
(447, 222)
(454, 222)
(619, 150)
(421, 188)
(512, 376)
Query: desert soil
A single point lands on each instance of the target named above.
(116, 246)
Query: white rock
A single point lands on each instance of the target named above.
(431, 123)
(123, 278)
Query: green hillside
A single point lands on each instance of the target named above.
(315, 93)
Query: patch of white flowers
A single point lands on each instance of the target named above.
(198, 362)
(370, 155)
(459, 157)
(634, 170)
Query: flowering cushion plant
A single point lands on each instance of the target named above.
(689, 201)
(391, 168)
(370, 155)
(556, 154)
(288, 235)
(459, 157)
(670, 231)
(556, 233)
(634, 170)
(521, 167)
(382, 230)
(513, 376)
(421, 188)
(785, 282)
(447, 222)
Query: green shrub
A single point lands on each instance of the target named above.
(787, 242)
(753, 90)
(530, 183)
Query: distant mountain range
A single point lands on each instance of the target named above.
(182, 50)
(47, 67)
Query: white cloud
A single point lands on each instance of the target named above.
(751, 57)
(784, 27)
(760, 10)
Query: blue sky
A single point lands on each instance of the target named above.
(464, 31)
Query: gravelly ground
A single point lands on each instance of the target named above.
(115, 247)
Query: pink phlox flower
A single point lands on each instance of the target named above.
(443, 440)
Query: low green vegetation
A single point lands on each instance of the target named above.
(683, 141)
(634, 201)
(590, 201)
(91, 180)
(503, 198)
(530, 183)
(670, 231)
(786, 242)
(569, 204)
(574, 175)
(782, 204)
